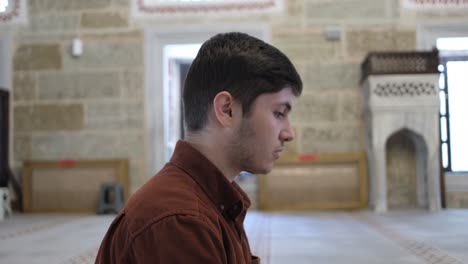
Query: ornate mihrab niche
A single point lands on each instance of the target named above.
(402, 98)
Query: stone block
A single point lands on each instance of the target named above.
(305, 46)
(74, 146)
(331, 76)
(48, 117)
(131, 145)
(51, 146)
(134, 35)
(21, 147)
(362, 41)
(24, 86)
(78, 85)
(54, 23)
(457, 199)
(29, 37)
(348, 9)
(351, 107)
(107, 55)
(405, 40)
(293, 17)
(103, 20)
(47, 6)
(133, 85)
(136, 174)
(122, 3)
(311, 108)
(37, 57)
(309, 37)
(295, 8)
(115, 116)
(332, 138)
(292, 146)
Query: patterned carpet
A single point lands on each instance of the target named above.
(312, 237)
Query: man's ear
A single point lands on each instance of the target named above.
(222, 106)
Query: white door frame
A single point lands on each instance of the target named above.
(5, 59)
(427, 34)
(155, 94)
(6, 51)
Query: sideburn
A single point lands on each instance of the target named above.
(241, 148)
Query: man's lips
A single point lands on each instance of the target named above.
(277, 153)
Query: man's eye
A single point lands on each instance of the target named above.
(279, 114)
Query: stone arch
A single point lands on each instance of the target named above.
(407, 176)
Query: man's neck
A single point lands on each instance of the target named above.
(209, 145)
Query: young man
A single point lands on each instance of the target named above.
(237, 97)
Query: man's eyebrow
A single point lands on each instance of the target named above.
(287, 105)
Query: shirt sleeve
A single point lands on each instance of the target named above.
(178, 239)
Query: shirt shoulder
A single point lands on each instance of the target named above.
(171, 192)
(177, 238)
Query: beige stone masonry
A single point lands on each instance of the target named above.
(79, 85)
(49, 6)
(24, 86)
(75, 145)
(347, 9)
(121, 3)
(129, 35)
(332, 138)
(306, 45)
(457, 200)
(315, 107)
(49, 38)
(139, 176)
(54, 23)
(293, 146)
(131, 145)
(132, 85)
(48, 117)
(350, 106)
(103, 20)
(22, 147)
(37, 57)
(115, 116)
(361, 41)
(100, 54)
(331, 76)
(58, 145)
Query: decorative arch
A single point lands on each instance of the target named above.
(407, 191)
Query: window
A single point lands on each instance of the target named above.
(453, 103)
(3, 5)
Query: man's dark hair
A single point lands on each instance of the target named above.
(240, 64)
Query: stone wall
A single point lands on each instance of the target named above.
(89, 107)
(92, 107)
(456, 186)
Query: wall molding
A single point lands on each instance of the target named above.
(16, 13)
(157, 8)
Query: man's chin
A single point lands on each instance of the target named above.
(264, 170)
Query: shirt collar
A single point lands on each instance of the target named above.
(228, 197)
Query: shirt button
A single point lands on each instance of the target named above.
(222, 207)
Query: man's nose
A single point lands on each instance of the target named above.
(287, 134)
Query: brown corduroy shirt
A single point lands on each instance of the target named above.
(189, 213)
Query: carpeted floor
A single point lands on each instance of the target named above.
(311, 237)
